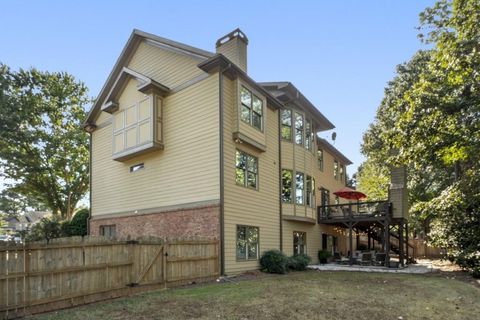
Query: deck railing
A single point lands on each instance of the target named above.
(354, 210)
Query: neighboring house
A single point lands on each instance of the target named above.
(185, 143)
(23, 222)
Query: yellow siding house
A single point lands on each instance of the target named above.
(185, 143)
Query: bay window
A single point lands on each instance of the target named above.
(298, 128)
(251, 108)
(287, 124)
(299, 188)
(287, 179)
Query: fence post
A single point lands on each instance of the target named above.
(164, 261)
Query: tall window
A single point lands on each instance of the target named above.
(252, 108)
(287, 124)
(335, 169)
(299, 187)
(320, 159)
(308, 135)
(310, 192)
(342, 173)
(299, 242)
(247, 243)
(246, 173)
(298, 128)
(287, 177)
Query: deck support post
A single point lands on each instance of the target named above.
(401, 243)
(406, 240)
(350, 229)
(387, 244)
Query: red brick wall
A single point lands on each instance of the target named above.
(202, 222)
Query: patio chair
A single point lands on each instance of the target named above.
(380, 259)
(337, 257)
(366, 259)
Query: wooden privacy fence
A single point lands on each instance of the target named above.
(39, 277)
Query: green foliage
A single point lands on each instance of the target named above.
(431, 115)
(12, 203)
(323, 256)
(78, 225)
(45, 229)
(373, 180)
(42, 147)
(274, 261)
(298, 262)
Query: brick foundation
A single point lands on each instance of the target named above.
(201, 222)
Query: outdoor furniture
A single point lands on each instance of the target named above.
(336, 256)
(380, 259)
(366, 259)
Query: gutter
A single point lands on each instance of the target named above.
(280, 182)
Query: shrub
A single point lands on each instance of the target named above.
(323, 256)
(299, 262)
(274, 261)
(78, 225)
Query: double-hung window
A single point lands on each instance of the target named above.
(342, 173)
(298, 128)
(310, 191)
(246, 172)
(247, 243)
(335, 169)
(252, 108)
(299, 242)
(320, 159)
(299, 188)
(287, 179)
(308, 135)
(287, 124)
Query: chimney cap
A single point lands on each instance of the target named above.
(237, 33)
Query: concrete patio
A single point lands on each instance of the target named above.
(422, 267)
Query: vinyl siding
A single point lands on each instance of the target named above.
(186, 171)
(164, 66)
(243, 206)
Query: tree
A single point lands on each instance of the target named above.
(431, 115)
(13, 203)
(79, 223)
(42, 147)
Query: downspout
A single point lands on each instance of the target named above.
(222, 187)
(280, 178)
(89, 181)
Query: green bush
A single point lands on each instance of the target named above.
(274, 261)
(78, 225)
(323, 256)
(299, 262)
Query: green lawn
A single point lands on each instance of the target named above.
(305, 295)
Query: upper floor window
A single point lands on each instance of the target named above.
(287, 124)
(252, 108)
(298, 128)
(246, 173)
(299, 187)
(310, 191)
(320, 159)
(342, 173)
(287, 179)
(308, 135)
(335, 169)
(247, 243)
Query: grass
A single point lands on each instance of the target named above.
(303, 295)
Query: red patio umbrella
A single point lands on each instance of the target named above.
(349, 193)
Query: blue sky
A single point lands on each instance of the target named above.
(340, 54)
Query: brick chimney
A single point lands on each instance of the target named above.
(234, 47)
